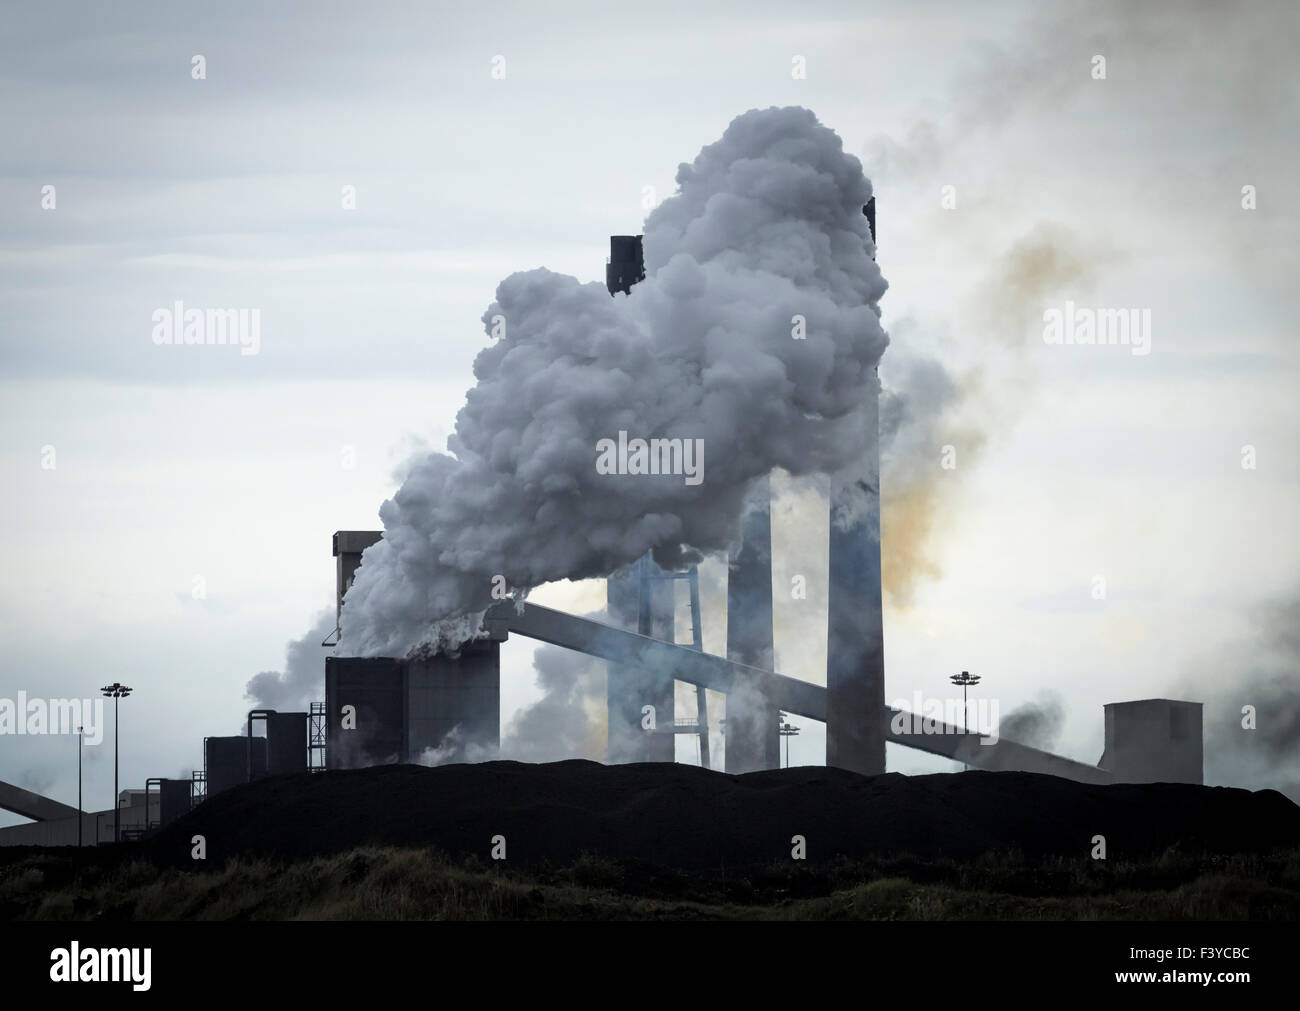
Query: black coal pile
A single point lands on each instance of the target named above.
(688, 818)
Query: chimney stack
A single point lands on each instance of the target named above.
(637, 598)
(855, 647)
(626, 265)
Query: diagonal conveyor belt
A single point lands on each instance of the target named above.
(32, 805)
(609, 643)
(790, 694)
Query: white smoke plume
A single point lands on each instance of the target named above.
(300, 683)
(766, 230)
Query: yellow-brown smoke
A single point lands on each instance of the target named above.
(920, 498)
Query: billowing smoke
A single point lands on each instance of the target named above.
(303, 677)
(755, 336)
(1037, 724)
(1252, 706)
(569, 720)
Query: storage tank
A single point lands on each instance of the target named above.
(365, 702)
(286, 743)
(226, 761)
(173, 799)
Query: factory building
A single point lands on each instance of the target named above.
(441, 707)
(56, 824)
(381, 710)
(1154, 741)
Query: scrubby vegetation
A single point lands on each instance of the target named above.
(423, 884)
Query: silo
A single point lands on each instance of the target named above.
(286, 743)
(173, 799)
(226, 761)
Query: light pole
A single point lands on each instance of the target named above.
(966, 679)
(80, 733)
(786, 730)
(116, 691)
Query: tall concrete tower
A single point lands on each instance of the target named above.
(640, 599)
(855, 642)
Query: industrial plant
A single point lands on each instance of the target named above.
(437, 707)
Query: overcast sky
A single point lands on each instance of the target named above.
(178, 468)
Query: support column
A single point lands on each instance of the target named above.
(855, 633)
(637, 600)
(855, 655)
(752, 739)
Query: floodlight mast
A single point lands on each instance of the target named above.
(966, 679)
(117, 691)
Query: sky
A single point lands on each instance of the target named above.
(167, 510)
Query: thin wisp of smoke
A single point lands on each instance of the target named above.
(937, 422)
(1252, 706)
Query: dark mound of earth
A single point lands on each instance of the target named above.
(688, 818)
